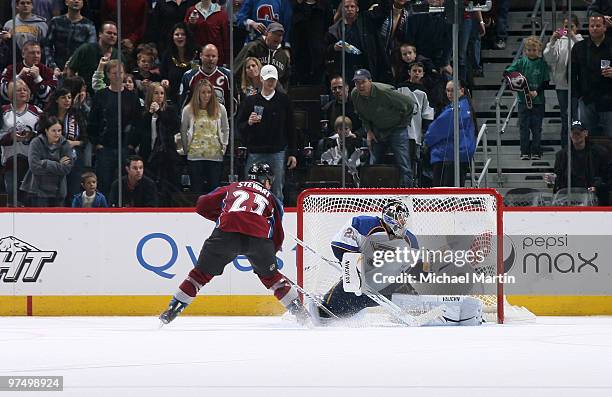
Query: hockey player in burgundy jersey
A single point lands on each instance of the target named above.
(249, 222)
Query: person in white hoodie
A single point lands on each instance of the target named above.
(557, 55)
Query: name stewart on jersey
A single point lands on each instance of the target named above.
(244, 207)
(256, 186)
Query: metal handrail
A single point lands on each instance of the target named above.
(483, 174)
(510, 110)
(539, 6)
(482, 133)
(469, 7)
(534, 15)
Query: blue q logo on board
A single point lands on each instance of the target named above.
(241, 263)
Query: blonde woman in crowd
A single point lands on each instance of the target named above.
(250, 83)
(205, 134)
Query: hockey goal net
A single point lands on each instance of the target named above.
(443, 211)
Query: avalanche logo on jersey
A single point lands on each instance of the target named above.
(17, 255)
(220, 95)
(265, 12)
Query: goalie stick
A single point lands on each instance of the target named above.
(394, 310)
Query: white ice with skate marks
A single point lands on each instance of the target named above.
(270, 356)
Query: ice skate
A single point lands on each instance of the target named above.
(174, 309)
(301, 314)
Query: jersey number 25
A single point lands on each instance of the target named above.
(257, 204)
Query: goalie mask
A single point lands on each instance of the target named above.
(395, 216)
(261, 172)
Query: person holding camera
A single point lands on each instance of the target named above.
(557, 55)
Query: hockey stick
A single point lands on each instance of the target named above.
(388, 305)
(315, 299)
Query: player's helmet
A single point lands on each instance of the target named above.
(395, 215)
(261, 172)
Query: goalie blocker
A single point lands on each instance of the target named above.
(458, 310)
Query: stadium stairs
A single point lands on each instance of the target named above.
(516, 173)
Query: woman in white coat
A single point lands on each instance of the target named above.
(557, 55)
(205, 135)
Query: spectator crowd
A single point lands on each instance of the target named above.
(158, 102)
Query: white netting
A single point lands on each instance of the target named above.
(431, 214)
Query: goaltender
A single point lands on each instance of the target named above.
(366, 234)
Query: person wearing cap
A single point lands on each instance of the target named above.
(268, 49)
(265, 122)
(590, 164)
(333, 109)
(257, 15)
(385, 114)
(602, 7)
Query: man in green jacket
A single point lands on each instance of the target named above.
(385, 114)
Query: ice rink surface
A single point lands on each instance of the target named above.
(271, 356)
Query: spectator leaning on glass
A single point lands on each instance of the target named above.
(590, 165)
(265, 121)
(50, 159)
(333, 108)
(385, 114)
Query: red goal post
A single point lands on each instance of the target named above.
(434, 211)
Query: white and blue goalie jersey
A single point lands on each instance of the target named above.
(352, 237)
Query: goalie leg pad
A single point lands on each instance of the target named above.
(344, 304)
(459, 310)
(471, 311)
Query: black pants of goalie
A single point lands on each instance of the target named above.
(344, 304)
